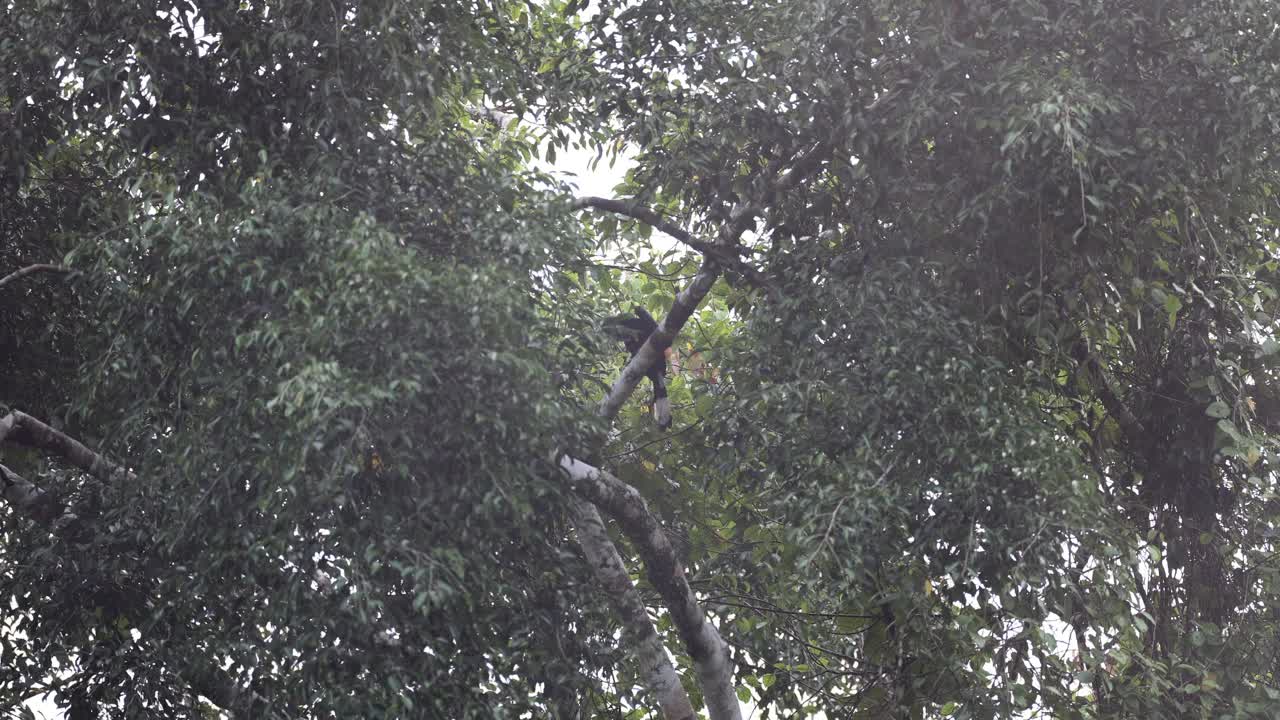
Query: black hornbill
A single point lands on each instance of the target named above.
(634, 332)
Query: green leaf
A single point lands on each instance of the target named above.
(1218, 409)
(1172, 304)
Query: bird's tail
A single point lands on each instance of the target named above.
(661, 405)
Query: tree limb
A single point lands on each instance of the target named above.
(606, 564)
(624, 503)
(644, 215)
(662, 565)
(31, 269)
(1129, 423)
(726, 255)
(31, 432)
(34, 502)
(703, 642)
(682, 308)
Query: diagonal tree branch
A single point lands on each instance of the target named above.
(682, 308)
(31, 269)
(26, 430)
(624, 503)
(32, 501)
(655, 666)
(662, 565)
(1129, 423)
(729, 256)
(710, 653)
(646, 216)
(687, 300)
(221, 688)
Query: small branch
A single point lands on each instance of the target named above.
(763, 607)
(726, 254)
(644, 215)
(803, 167)
(32, 500)
(6, 707)
(31, 270)
(1129, 423)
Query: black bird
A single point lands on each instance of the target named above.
(634, 332)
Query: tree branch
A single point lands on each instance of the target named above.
(29, 431)
(708, 650)
(602, 555)
(32, 269)
(624, 503)
(34, 502)
(726, 255)
(654, 666)
(1129, 423)
(644, 215)
(803, 167)
(687, 300)
(682, 308)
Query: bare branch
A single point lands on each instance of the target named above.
(29, 431)
(727, 255)
(32, 269)
(651, 655)
(662, 565)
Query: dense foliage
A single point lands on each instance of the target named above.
(980, 420)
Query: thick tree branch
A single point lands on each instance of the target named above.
(713, 667)
(31, 269)
(23, 429)
(606, 563)
(662, 565)
(638, 632)
(624, 503)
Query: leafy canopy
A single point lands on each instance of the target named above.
(995, 439)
